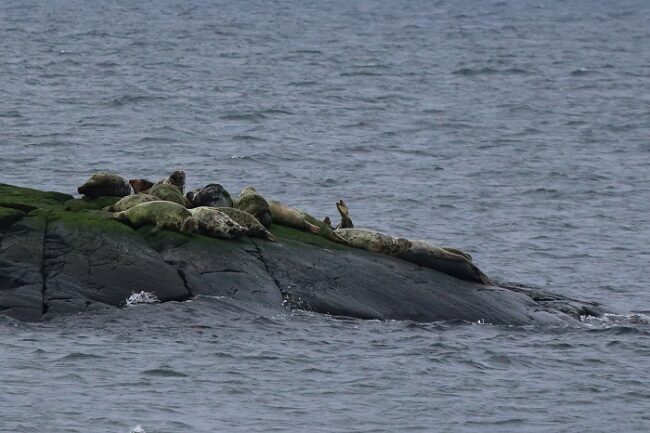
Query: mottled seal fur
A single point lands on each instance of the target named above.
(441, 259)
(290, 217)
(213, 195)
(140, 185)
(254, 227)
(126, 203)
(253, 203)
(162, 214)
(213, 222)
(167, 192)
(374, 241)
(177, 179)
(105, 184)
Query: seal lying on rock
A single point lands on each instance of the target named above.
(105, 184)
(140, 185)
(418, 252)
(253, 203)
(213, 195)
(162, 214)
(441, 259)
(374, 241)
(254, 227)
(126, 203)
(177, 179)
(290, 217)
(213, 222)
(167, 192)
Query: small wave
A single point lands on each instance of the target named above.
(164, 372)
(609, 320)
(581, 72)
(141, 298)
(78, 355)
(362, 73)
(254, 116)
(468, 72)
(133, 99)
(138, 429)
(247, 138)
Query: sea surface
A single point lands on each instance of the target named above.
(517, 130)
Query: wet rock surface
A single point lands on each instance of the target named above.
(54, 261)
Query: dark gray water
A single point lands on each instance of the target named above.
(516, 130)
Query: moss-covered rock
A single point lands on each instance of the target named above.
(9, 216)
(55, 261)
(98, 203)
(27, 199)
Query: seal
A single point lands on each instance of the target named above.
(177, 179)
(213, 195)
(371, 240)
(105, 184)
(140, 185)
(126, 203)
(346, 221)
(213, 222)
(290, 217)
(162, 214)
(253, 203)
(443, 260)
(254, 227)
(167, 192)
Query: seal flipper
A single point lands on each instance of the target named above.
(271, 237)
(346, 221)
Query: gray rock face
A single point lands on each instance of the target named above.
(53, 265)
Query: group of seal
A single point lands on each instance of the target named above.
(211, 211)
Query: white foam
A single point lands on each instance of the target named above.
(141, 298)
(616, 319)
(138, 428)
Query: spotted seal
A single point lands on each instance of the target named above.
(140, 185)
(254, 227)
(374, 241)
(253, 203)
(213, 222)
(126, 203)
(167, 192)
(443, 260)
(105, 184)
(177, 179)
(213, 195)
(162, 214)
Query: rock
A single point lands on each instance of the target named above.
(9, 216)
(53, 262)
(97, 203)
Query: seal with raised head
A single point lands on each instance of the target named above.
(177, 179)
(443, 260)
(253, 203)
(140, 185)
(254, 227)
(371, 240)
(126, 203)
(162, 214)
(213, 222)
(105, 184)
(213, 195)
(290, 217)
(167, 192)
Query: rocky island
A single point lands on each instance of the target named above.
(60, 255)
